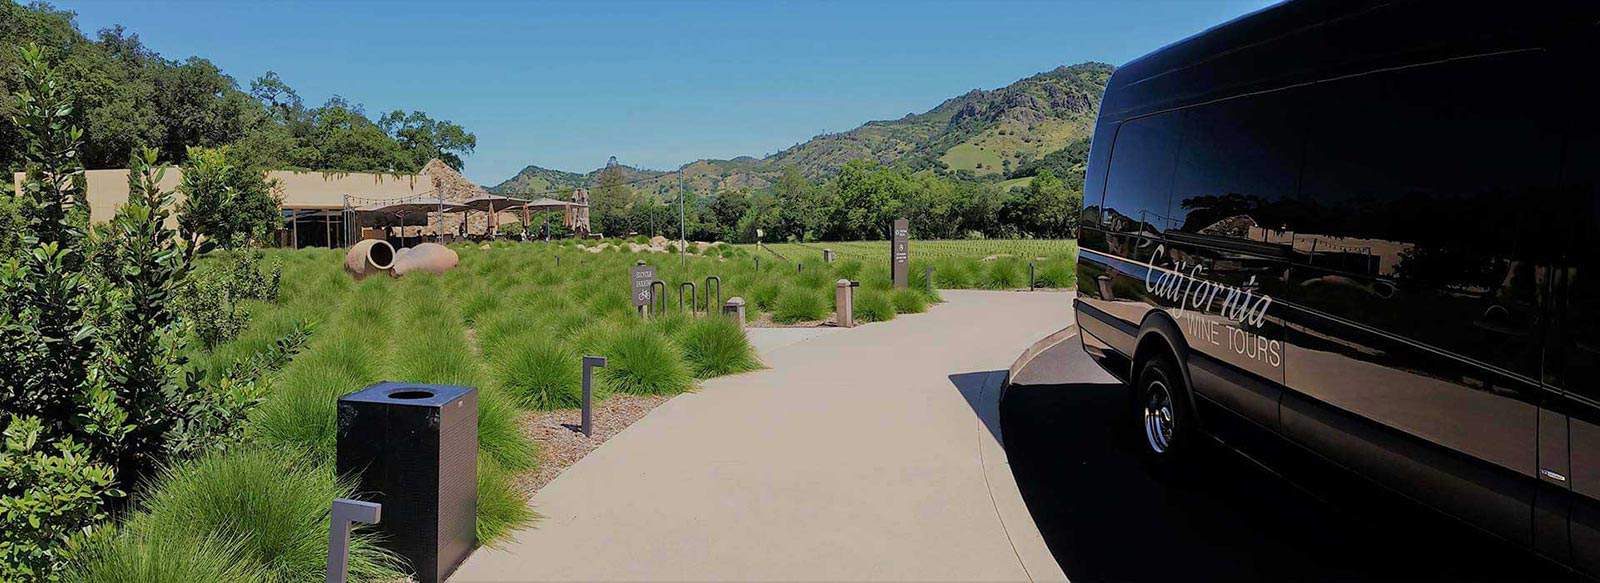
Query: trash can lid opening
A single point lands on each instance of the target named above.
(411, 393)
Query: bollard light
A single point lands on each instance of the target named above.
(589, 363)
(345, 513)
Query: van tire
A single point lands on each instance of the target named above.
(1162, 424)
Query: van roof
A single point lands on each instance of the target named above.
(1307, 40)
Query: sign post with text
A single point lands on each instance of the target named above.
(900, 253)
(642, 276)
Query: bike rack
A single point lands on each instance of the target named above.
(690, 285)
(658, 301)
(709, 280)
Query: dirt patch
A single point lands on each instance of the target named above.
(560, 442)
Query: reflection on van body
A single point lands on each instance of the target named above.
(1371, 229)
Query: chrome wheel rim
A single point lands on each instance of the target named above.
(1158, 418)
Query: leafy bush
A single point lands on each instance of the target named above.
(909, 301)
(46, 499)
(798, 304)
(643, 362)
(210, 312)
(716, 346)
(540, 374)
(873, 306)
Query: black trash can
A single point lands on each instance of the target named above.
(415, 450)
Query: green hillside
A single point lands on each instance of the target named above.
(991, 134)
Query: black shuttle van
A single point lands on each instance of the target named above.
(1370, 230)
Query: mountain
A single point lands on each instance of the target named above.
(990, 134)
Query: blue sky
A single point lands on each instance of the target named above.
(656, 84)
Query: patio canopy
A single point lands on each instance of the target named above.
(509, 204)
(407, 212)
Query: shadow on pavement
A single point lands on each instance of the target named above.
(1106, 518)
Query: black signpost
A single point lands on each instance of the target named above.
(900, 253)
(641, 278)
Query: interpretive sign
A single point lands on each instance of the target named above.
(900, 253)
(642, 276)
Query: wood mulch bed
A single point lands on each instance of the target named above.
(765, 321)
(561, 444)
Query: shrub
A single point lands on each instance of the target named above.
(716, 346)
(275, 505)
(909, 301)
(872, 305)
(797, 304)
(643, 362)
(540, 374)
(46, 498)
(212, 316)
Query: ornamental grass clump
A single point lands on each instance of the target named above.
(872, 305)
(909, 301)
(799, 304)
(275, 505)
(129, 555)
(715, 346)
(499, 436)
(1003, 273)
(764, 295)
(501, 509)
(641, 361)
(539, 373)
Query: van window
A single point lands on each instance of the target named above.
(1239, 165)
(1415, 193)
(1140, 180)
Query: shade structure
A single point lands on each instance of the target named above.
(406, 212)
(491, 203)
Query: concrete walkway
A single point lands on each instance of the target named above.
(864, 454)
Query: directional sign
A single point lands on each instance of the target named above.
(900, 252)
(642, 276)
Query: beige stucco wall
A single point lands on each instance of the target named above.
(108, 189)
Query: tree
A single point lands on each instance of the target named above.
(610, 201)
(225, 204)
(726, 209)
(425, 138)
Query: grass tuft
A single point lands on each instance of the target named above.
(643, 362)
(799, 304)
(872, 305)
(274, 505)
(715, 346)
(540, 373)
(909, 301)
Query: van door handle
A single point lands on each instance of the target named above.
(1552, 475)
